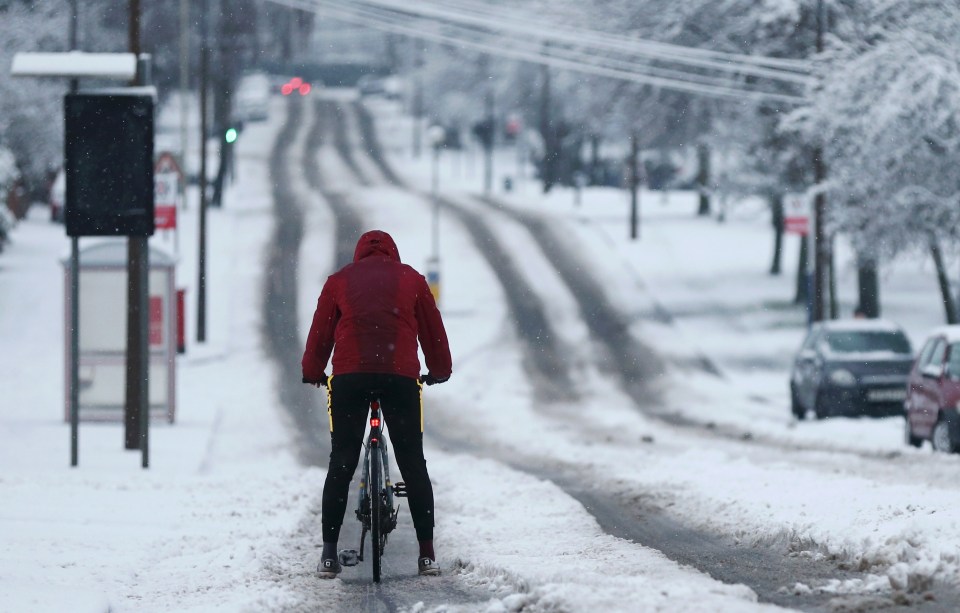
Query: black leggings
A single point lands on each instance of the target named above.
(403, 414)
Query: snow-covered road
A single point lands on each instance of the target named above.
(586, 499)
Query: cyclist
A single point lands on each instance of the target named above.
(370, 315)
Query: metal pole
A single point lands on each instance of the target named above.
(202, 264)
(74, 294)
(417, 95)
(74, 351)
(488, 147)
(434, 188)
(143, 272)
(184, 86)
(135, 287)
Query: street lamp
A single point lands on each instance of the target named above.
(436, 135)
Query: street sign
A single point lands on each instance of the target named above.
(167, 177)
(796, 214)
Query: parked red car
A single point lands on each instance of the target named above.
(933, 392)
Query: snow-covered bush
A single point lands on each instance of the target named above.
(8, 174)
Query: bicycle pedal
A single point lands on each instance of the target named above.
(349, 557)
(400, 490)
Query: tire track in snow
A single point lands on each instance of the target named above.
(280, 315)
(401, 588)
(349, 222)
(637, 367)
(543, 352)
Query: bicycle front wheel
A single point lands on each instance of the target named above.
(376, 526)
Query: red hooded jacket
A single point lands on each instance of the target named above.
(373, 311)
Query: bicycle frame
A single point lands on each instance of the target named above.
(375, 505)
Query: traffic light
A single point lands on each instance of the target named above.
(230, 136)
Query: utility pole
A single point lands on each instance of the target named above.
(488, 144)
(634, 184)
(417, 95)
(821, 245)
(202, 263)
(546, 126)
(137, 405)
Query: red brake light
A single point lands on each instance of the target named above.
(296, 82)
(287, 89)
(375, 422)
(304, 89)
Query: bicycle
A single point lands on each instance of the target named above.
(375, 507)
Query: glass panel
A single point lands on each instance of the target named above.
(953, 363)
(865, 342)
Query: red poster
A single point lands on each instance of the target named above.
(156, 320)
(165, 217)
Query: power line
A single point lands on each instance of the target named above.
(774, 68)
(731, 91)
(423, 28)
(585, 56)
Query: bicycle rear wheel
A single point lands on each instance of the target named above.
(376, 526)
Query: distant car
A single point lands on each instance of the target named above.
(933, 392)
(370, 85)
(851, 368)
(252, 100)
(57, 196)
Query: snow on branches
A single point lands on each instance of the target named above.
(886, 114)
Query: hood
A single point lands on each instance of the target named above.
(376, 242)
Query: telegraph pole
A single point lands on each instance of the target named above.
(821, 245)
(491, 122)
(417, 94)
(137, 405)
(202, 263)
(634, 184)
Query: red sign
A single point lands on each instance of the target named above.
(166, 187)
(796, 214)
(165, 217)
(156, 320)
(167, 163)
(796, 225)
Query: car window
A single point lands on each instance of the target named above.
(811, 341)
(866, 341)
(934, 364)
(953, 362)
(926, 352)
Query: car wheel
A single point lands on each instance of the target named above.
(820, 409)
(795, 407)
(944, 437)
(908, 436)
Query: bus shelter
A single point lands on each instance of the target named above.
(103, 329)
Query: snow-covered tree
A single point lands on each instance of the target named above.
(887, 117)
(31, 124)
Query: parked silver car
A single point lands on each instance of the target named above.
(851, 368)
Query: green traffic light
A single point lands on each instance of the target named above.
(231, 135)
